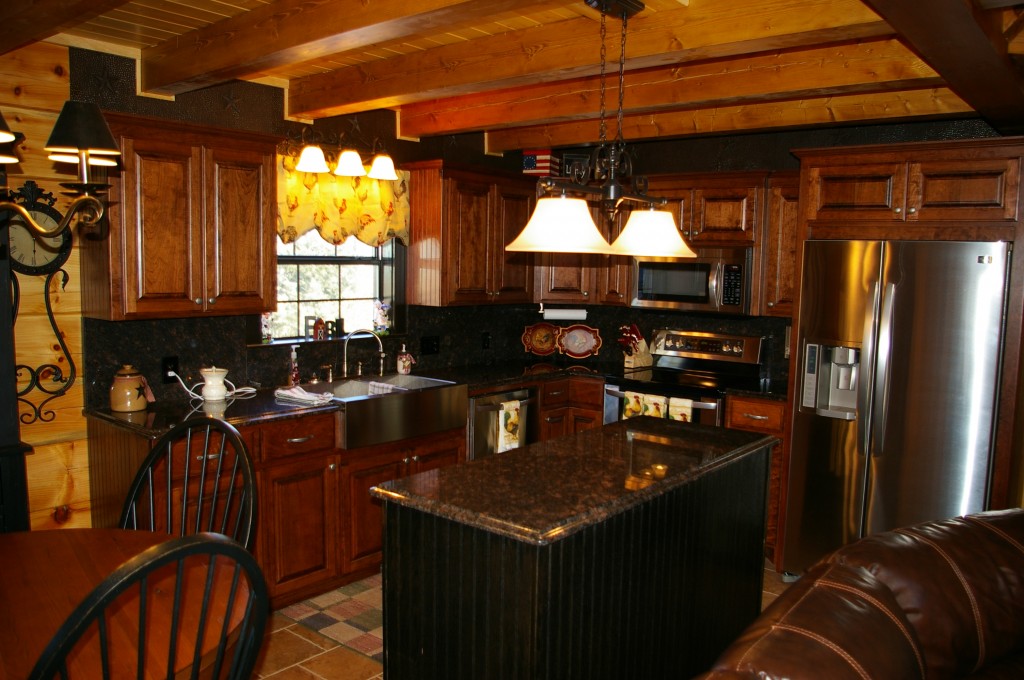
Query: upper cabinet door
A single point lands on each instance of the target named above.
(782, 220)
(970, 189)
(511, 273)
(158, 223)
(726, 215)
(874, 191)
(240, 231)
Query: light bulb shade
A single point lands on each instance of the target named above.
(312, 160)
(560, 225)
(107, 161)
(651, 233)
(5, 131)
(350, 164)
(383, 167)
(7, 154)
(81, 127)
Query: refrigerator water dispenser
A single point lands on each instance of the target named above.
(830, 381)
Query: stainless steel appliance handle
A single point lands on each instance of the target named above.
(480, 408)
(714, 285)
(705, 405)
(865, 382)
(884, 374)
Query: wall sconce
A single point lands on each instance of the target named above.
(312, 158)
(80, 135)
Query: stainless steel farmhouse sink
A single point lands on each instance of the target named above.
(382, 409)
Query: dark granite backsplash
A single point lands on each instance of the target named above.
(221, 341)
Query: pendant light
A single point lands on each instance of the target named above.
(601, 179)
(350, 164)
(312, 160)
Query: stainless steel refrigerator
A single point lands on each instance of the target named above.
(900, 344)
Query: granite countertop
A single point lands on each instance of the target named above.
(162, 415)
(549, 490)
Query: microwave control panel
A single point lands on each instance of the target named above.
(732, 285)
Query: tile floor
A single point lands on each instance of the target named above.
(339, 635)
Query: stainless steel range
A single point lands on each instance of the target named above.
(690, 375)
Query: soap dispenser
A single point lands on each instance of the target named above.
(294, 370)
(405, 361)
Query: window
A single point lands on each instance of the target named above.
(318, 279)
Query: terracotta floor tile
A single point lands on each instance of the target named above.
(343, 664)
(284, 648)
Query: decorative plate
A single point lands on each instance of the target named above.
(579, 341)
(540, 338)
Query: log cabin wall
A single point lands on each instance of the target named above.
(34, 84)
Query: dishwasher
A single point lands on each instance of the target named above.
(485, 414)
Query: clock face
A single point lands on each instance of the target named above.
(33, 254)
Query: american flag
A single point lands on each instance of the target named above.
(540, 162)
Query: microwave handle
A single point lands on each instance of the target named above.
(714, 284)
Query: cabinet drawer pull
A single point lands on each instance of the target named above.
(212, 456)
(754, 416)
(551, 419)
(298, 440)
(556, 393)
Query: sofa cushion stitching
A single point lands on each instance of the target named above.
(885, 610)
(829, 644)
(996, 530)
(975, 610)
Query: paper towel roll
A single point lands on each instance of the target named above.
(565, 314)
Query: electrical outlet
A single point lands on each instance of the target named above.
(168, 364)
(485, 340)
(430, 344)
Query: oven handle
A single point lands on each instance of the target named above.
(705, 405)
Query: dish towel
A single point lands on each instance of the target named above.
(508, 426)
(297, 395)
(632, 405)
(680, 409)
(383, 388)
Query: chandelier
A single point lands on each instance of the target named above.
(562, 221)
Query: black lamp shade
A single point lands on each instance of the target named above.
(5, 132)
(81, 127)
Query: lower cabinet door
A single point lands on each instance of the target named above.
(299, 512)
(364, 518)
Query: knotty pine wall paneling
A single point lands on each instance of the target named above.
(34, 84)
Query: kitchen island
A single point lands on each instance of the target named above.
(630, 551)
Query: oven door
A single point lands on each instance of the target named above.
(629, 398)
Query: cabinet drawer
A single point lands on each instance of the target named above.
(196, 448)
(301, 435)
(554, 393)
(761, 415)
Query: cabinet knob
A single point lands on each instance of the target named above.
(586, 293)
(298, 440)
(415, 459)
(332, 466)
(899, 210)
(911, 210)
(211, 301)
(405, 460)
(771, 304)
(198, 301)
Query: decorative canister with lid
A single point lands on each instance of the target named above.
(129, 390)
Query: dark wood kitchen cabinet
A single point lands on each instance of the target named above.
(191, 225)
(779, 261)
(715, 211)
(895, 187)
(570, 405)
(462, 222)
(365, 469)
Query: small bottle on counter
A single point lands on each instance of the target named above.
(405, 361)
(294, 367)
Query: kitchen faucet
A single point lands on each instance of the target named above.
(344, 358)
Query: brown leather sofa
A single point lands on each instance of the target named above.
(942, 599)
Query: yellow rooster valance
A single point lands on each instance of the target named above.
(374, 211)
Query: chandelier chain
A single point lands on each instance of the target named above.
(622, 78)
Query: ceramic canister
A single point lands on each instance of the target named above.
(128, 392)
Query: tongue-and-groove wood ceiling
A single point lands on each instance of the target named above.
(527, 72)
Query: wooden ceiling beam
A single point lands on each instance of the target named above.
(571, 48)
(817, 111)
(873, 65)
(29, 21)
(289, 31)
(966, 51)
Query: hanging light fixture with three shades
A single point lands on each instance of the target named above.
(562, 221)
(350, 163)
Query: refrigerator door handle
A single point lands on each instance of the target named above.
(881, 410)
(864, 386)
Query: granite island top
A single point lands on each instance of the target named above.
(546, 491)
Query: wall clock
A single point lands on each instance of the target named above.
(31, 253)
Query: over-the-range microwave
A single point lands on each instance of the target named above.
(715, 281)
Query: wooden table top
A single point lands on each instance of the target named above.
(44, 575)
